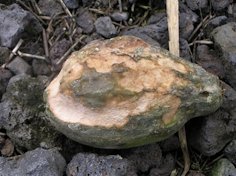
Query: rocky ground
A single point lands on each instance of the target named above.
(36, 37)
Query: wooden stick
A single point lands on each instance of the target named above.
(173, 28)
(21, 54)
(173, 25)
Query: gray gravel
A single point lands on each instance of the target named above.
(15, 22)
(105, 27)
(91, 164)
(39, 162)
(19, 66)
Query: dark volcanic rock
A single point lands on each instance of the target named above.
(50, 7)
(170, 144)
(220, 4)
(4, 54)
(232, 10)
(184, 9)
(230, 151)
(139, 33)
(209, 59)
(40, 67)
(120, 16)
(5, 75)
(19, 66)
(184, 49)
(210, 134)
(146, 157)
(14, 23)
(22, 113)
(87, 2)
(185, 25)
(92, 37)
(215, 22)
(223, 167)
(92, 164)
(224, 37)
(197, 4)
(156, 17)
(166, 167)
(58, 49)
(39, 162)
(71, 4)
(153, 33)
(105, 27)
(85, 20)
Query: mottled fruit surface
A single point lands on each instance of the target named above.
(123, 92)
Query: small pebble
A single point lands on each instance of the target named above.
(71, 4)
(220, 4)
(197, 4)
(36, 162)
(5, 75)
(40, 67)
(4, 54)
(120, 16)
(85, 21)
(105, 27)
(19, 66)
(230, 151)
(50, 8)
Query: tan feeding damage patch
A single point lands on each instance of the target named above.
(108, 82)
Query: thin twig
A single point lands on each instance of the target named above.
(97, 11)
(48, 18)
(13, 53)
(45, 43)
(70, 50)
(198, 27)
(143, 17)
(65, 8)
(21, 54)
(36, 7)
(184, 147)
(204, 42)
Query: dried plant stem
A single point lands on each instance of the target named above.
(204, 42)
(45, 43)
(184, 147)
(21, 54)
(199, 26)
(36, 7)
(173, 28)
(65, 8)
